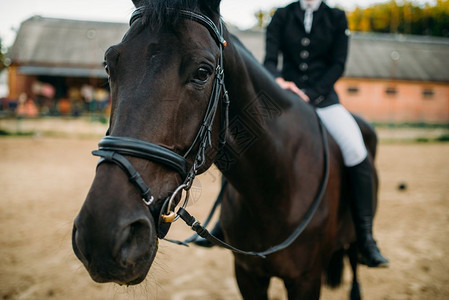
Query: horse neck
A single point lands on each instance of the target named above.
(269, 128)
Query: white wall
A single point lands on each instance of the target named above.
(4, 84)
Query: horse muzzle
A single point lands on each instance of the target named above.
(122, 255)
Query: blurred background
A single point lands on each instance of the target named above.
(55, 104)
(51, 58)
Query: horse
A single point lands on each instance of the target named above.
(187, 94)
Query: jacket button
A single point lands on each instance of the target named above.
(319, 99)
(304, 78)
(303, 67)
(304, 54)
(305, 42)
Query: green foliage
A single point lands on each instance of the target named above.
(405, 17)
(20, 133)
(443, 138)
(420, 125)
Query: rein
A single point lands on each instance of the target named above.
(113, 149)
(204, 233)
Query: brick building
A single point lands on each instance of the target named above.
(388, 77)
(397, 78)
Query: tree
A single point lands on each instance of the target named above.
(402, 17)
(395, 16)
(264, 17)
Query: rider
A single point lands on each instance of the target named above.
(313, 41)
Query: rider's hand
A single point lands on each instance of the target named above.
(289, 85)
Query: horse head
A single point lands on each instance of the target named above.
(165, 77)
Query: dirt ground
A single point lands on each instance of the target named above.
(43, 182)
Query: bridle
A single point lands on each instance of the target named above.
(113, 149)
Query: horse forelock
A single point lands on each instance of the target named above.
(162, 13)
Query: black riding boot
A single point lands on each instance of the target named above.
(216, 231)
(361, 185)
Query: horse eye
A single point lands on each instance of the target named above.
(202, 75)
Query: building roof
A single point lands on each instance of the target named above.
(394, 56)
(47, 46)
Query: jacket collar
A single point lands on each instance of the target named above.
(315, 4)
(299, 13)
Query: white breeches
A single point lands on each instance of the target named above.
(344, 129)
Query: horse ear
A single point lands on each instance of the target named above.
(139, 3)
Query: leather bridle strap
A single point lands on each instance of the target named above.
(203, 20)
(133, 176)
(216, 204)
(114, 149)
(111, 149)
(149, 151)
(204, 233)
(206, 22)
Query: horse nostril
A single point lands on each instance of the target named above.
(133, 242)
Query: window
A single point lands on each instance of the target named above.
(428, 93)
(391, 91)
(353, 90)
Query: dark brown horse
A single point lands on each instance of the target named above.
(171, 119)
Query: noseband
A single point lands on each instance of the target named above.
(113, 149)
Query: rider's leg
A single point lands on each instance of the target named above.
(361, 180)
(343, 128)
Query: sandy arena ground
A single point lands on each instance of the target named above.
(43, 182)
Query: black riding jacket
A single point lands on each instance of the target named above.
(314, 61)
